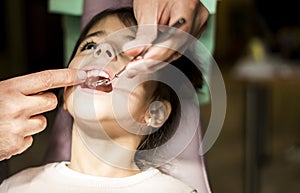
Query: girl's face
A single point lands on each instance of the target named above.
(101, 57)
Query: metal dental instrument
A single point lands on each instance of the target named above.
(160, 37)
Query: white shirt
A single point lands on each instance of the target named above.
(58, 178)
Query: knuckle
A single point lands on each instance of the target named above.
(11, 105)
(5, 155)
(15, 146)
(13, 110)
(47, 79)
(16, 130)
(26, 142)
(8, 83)
(8, 146)
(5, 85)
(52, 100)
(29, 141)
(42, 123)
(164, 54)
(195, 3)
(14, 141)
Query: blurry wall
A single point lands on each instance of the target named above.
(276, 22)
(31, 38)
(12, 55)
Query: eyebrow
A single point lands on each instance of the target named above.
(97, 33)
(101, 32)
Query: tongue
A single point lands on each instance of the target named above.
(91, 83)
(104, 87)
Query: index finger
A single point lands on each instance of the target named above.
(48, 79)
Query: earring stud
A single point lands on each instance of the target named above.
(149, 122)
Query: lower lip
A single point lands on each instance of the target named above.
(92, 91)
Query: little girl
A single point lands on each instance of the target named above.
(118, 127)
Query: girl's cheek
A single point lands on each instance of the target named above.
(75, 63)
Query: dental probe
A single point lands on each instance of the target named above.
(160, 37)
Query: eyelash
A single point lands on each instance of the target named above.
(86, 45)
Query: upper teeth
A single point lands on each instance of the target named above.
(97, 73)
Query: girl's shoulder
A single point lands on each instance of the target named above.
(24, 177)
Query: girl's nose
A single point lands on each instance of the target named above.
(105, 50)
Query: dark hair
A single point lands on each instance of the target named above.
(162, 91)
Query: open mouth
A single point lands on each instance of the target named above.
(94, 80)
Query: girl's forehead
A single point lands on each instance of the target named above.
(112, 28)
(108, 24)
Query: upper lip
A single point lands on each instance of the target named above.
(99, 68)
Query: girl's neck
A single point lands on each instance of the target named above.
(110, 160)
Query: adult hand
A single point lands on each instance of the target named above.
(23, 101)
(162, 12)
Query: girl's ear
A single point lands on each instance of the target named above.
(157, 114)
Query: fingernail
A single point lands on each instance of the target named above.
(81, 75)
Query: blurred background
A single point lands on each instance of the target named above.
(258, 52)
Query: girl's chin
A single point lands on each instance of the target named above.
(88, 106)
(90, 114)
